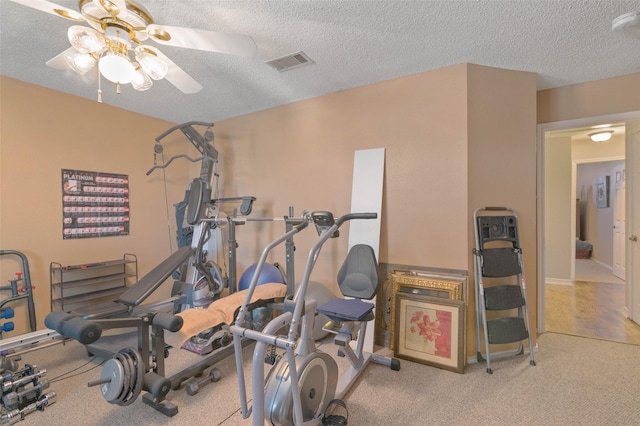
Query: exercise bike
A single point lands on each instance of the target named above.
(301, 395)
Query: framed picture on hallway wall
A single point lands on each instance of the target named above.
(429, 330)
(602, 192)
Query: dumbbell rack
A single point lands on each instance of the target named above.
(23, 391)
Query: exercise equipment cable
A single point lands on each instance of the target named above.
(158, 150)
(61, 377)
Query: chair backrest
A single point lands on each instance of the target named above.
(358, 276)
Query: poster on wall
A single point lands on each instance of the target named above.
(94, 204)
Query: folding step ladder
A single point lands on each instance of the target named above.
(499, 282)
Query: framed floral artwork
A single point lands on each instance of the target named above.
(425, 284)
(429, 330)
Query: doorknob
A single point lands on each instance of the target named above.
(633, 238)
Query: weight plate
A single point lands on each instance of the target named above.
(112, 370)
(127, 368)
(135, 363)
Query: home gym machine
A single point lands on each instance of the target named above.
(136, 361)
(302, 394)
(139, 365)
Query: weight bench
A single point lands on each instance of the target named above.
(154, 332)
(140, 291)
(220, 312)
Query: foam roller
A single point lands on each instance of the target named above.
(56, 319)
(156, 385)
(168, 321)
(83, 331)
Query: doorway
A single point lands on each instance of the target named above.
(563, 285)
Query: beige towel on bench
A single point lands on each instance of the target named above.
(219, 312)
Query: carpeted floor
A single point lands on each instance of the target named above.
(577, 381)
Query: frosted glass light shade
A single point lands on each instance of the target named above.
(85, 39)
(155, 67)
(81, 63)
(141, 81)
(116, 68)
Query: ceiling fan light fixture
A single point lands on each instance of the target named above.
(118, 34)
(81, 63)
(85, 39)
(155, 67)
(602, 136)
(116, 67)
(141, 80)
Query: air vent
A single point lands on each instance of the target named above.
(289, 62)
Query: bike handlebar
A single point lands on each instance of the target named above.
(352, 216)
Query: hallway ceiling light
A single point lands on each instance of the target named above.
(602, 136)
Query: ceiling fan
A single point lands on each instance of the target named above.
(114, 42)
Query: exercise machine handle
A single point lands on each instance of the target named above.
(352, 216)
(183, 125)
(193, 160)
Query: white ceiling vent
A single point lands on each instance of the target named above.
(289, 62)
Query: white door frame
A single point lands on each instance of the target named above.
(632, 269)
(542, 129)
(619, 181)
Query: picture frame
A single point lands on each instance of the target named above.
(430, 331)
(602, 192)
(423, 284)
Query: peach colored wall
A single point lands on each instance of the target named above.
(591, 99)
(302, 155)
(502, 162)
(43, 131)
(448, 150)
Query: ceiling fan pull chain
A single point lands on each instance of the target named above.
(99, 89)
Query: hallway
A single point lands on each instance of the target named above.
(592, 307)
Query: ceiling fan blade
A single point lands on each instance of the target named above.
(58, 62)
(177, 76)
(52, 8)
(209, 41)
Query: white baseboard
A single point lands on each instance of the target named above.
(559, 281)
(604, 265)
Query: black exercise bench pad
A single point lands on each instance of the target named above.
(137, 293)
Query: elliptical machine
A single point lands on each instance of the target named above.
(301, 395)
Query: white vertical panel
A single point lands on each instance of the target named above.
(366, 197)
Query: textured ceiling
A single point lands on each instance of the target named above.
(353, 43)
